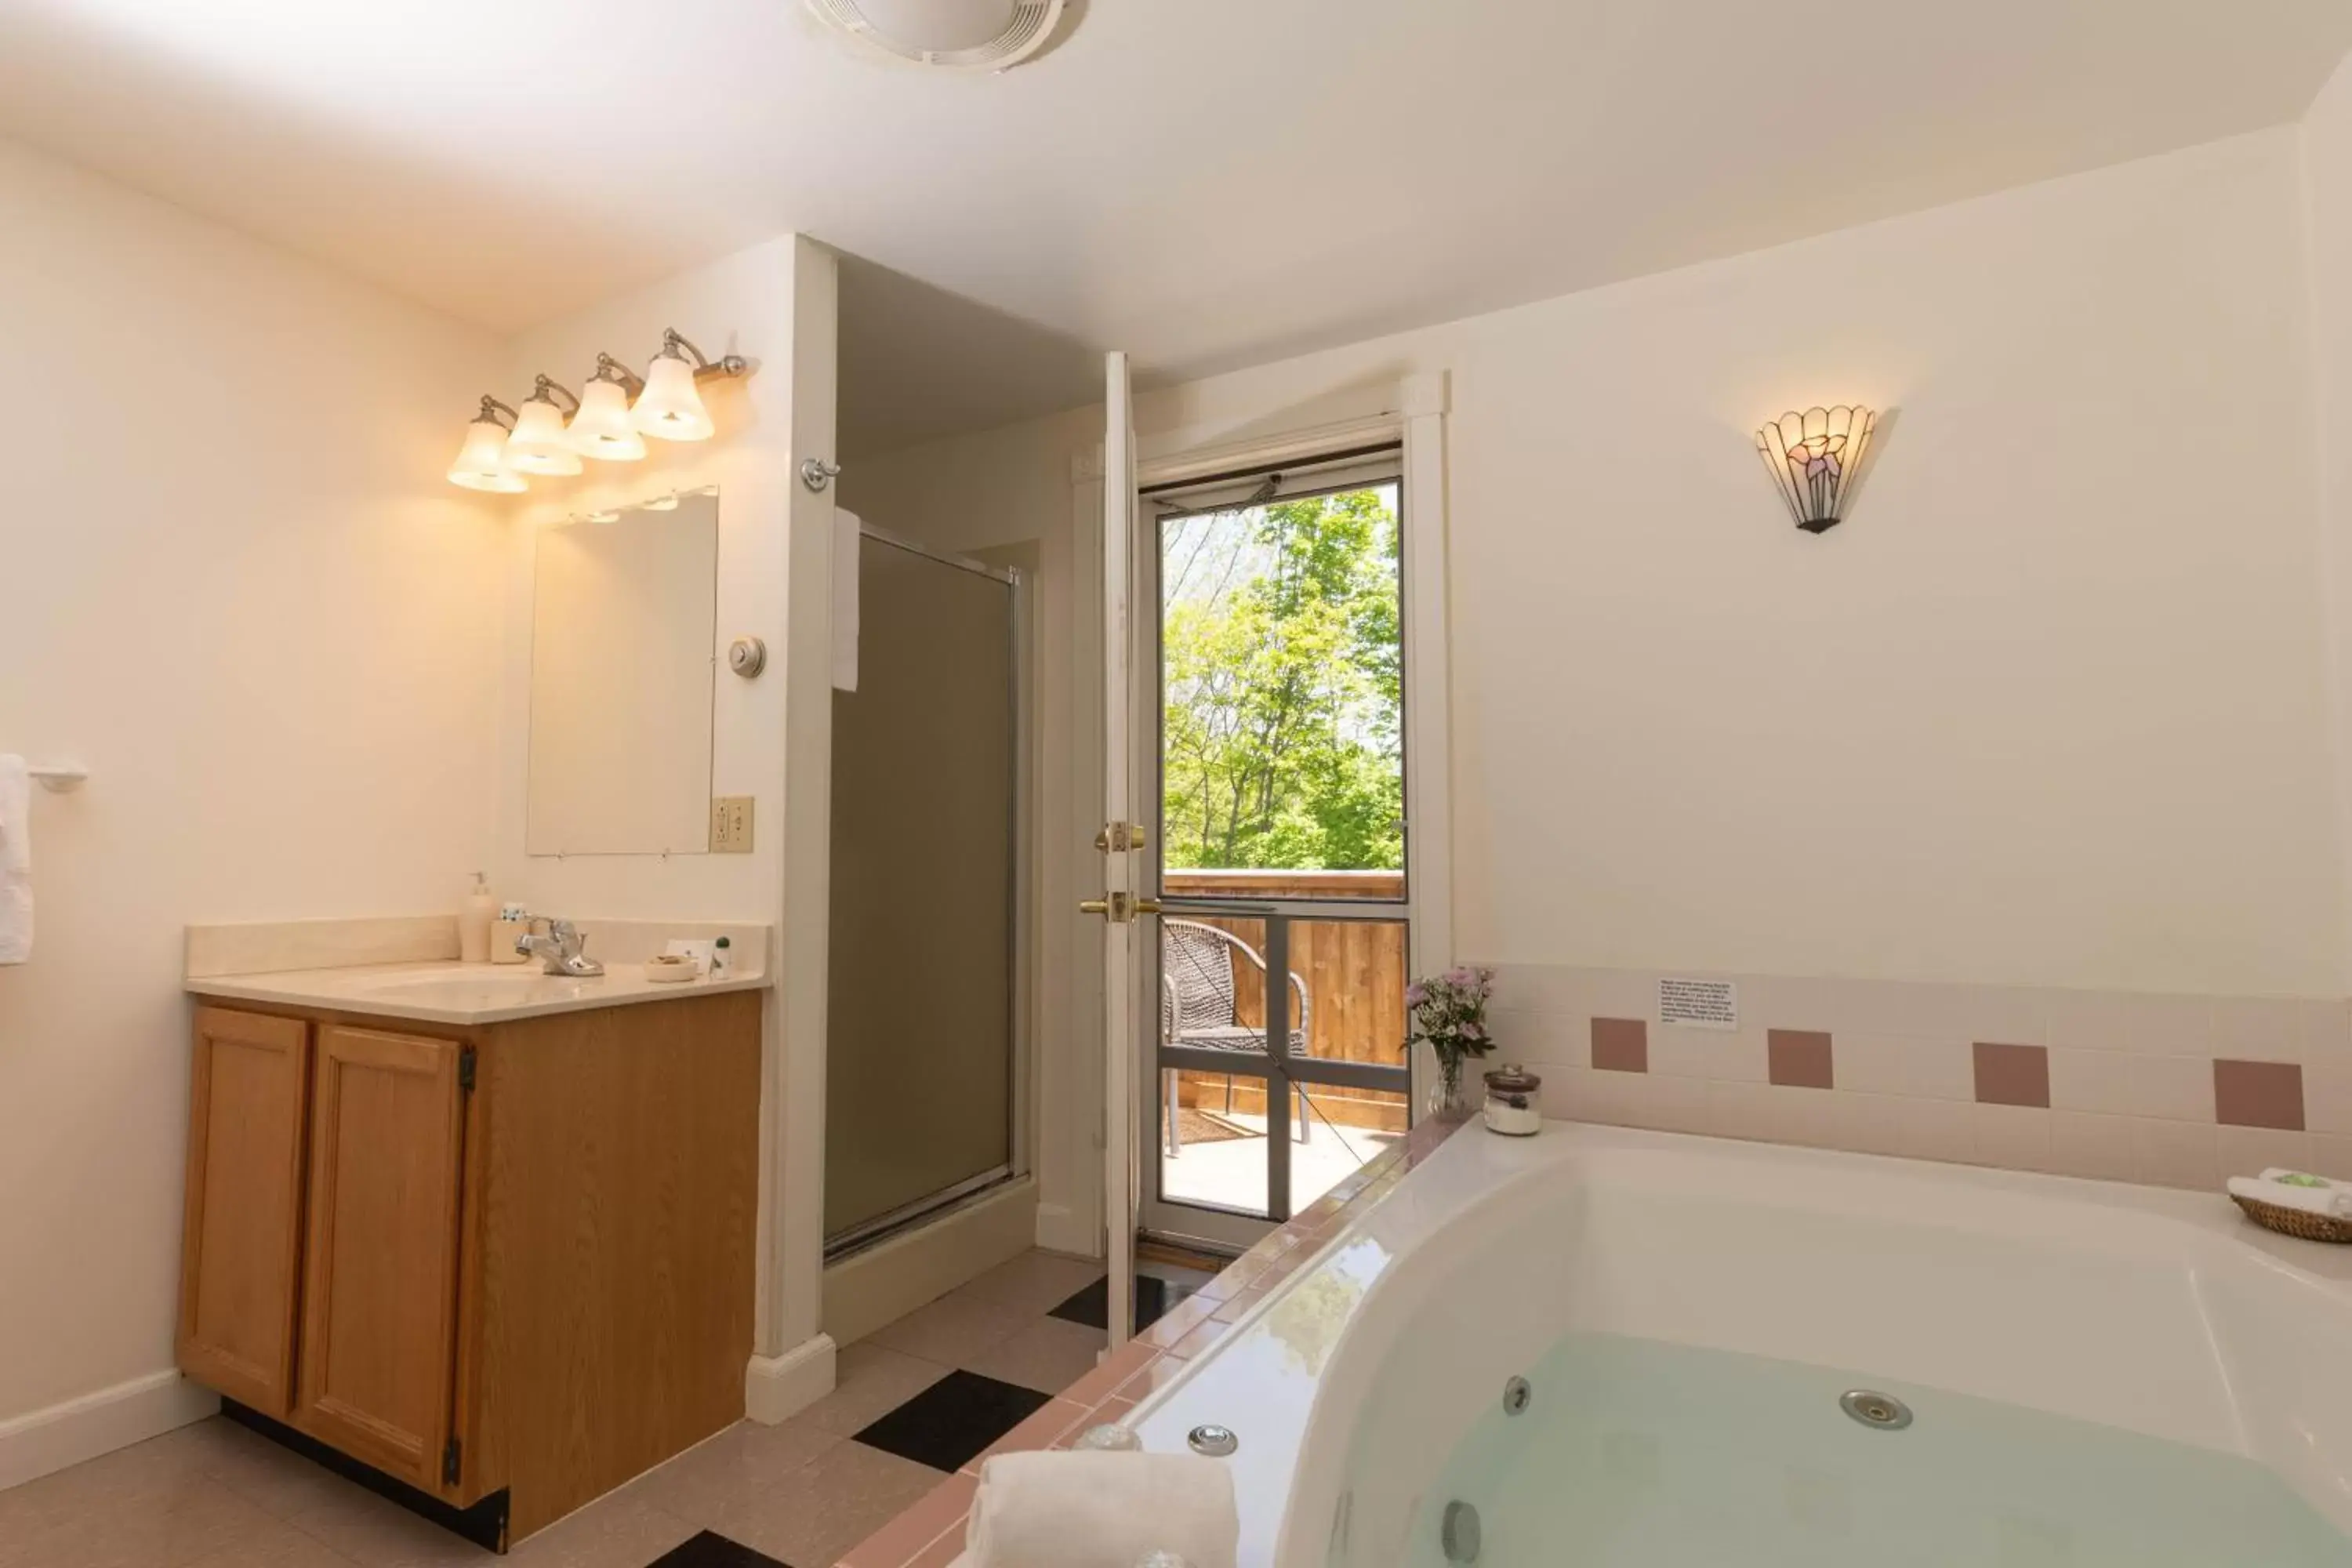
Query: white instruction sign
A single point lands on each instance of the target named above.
(1699, 1004)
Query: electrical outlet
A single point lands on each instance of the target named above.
(731, 825)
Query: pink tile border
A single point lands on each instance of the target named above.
(931, 1533)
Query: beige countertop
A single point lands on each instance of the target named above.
(451, 993)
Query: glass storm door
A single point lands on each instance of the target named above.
(1266, 726)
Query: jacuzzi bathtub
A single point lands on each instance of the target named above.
(1703, 1303)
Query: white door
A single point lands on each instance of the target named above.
(1118, 904)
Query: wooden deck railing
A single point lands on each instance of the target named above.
(1354, 972)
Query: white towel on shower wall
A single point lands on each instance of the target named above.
(15, 860)
(845, 600)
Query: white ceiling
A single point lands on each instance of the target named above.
(1205, 182)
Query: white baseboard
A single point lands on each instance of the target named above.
(778, 1388)
(884, 1283)
(1059, 1229)
(45, 1440)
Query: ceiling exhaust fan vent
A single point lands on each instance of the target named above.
(948, 34)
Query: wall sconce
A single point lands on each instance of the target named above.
(504, 444)
(481, 462)
(1812, 457)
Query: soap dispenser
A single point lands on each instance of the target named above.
(474, 922)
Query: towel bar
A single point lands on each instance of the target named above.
(60, 778)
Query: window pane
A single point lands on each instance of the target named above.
(1350, 989)
(1212, 1126)
(1282, 697)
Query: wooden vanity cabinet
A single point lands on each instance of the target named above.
(512, 1259)
(381, 1249)
(240, 1259)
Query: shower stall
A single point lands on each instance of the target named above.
(924, 1064)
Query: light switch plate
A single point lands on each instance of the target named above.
(731, 825)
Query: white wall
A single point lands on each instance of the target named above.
(232, 582)
(2051, 708)
(741, 304)
(2327, 197)
(2048, 709)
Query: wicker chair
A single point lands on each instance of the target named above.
(1200, 1006)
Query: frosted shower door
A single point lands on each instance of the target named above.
(918, 1078)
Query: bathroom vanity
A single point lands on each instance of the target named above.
(490, 1235)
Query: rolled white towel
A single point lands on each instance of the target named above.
(2334, 1199)
(1102, 1510)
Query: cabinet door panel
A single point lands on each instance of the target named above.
(380, 1280)
(243, 1234)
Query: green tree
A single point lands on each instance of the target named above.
(1282, 731)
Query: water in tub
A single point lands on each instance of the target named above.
(1635, 1452)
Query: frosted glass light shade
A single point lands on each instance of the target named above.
(669, 407)
(539, 445)
(601, 429)
(481, 462)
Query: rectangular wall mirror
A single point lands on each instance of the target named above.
(623, 657)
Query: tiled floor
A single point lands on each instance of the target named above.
(915, 1403)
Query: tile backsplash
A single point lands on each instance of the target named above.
(2173, 1090)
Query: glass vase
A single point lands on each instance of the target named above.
(1450, 1097)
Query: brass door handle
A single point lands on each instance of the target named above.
(1119, 908)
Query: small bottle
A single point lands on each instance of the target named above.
(474, 917)
(513, 925)
(722, 959)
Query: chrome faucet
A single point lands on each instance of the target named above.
(559, 949)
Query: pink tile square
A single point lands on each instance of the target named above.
(2013, 1075)
(2258, 1094)
(1621, 1044)
(1798, 1058)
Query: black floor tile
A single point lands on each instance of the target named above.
(1153, 1298)
(953, 1421)
(712, 1550)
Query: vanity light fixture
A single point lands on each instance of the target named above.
(539, 444)
(609, 421)
(481, 462)
(1812, 457)
(669, 407)
(601, 429)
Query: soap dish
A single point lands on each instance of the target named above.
(670, 968)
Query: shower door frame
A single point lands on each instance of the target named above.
(1019, 915)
